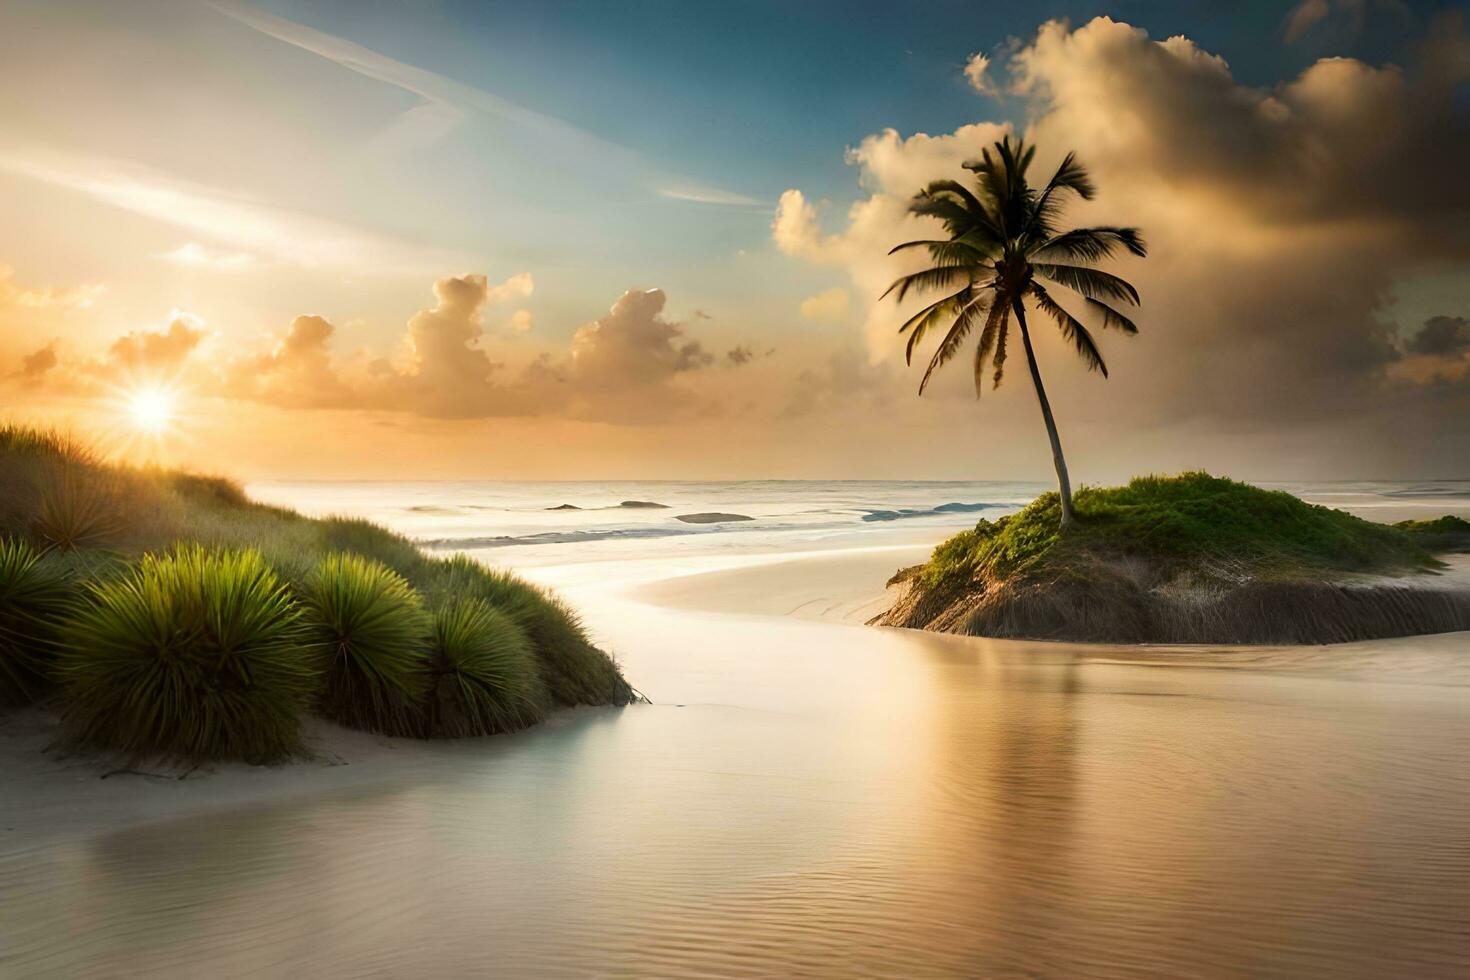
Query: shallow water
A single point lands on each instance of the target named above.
(816, 798)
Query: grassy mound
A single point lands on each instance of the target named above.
(1189, 558)
(368, 629)
(192, 655)
(75, 526)
(485, 676)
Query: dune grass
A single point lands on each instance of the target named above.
(82, 531)
(192, 655)
(485, 676)
(1192, 523)
(368, 630)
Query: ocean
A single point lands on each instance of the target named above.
(526, 524)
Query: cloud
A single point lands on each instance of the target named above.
(157, 353)
(634, 347)
(1438, 353)
(1280, 221)
(1303, 16)
(795, 229)
(520, 322)
(518, 286)
(830, 305)
(297, 373)
(39, 362)
(977, 73)
(1441, 335)
(627, 366)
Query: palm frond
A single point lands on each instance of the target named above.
(998, 360)
(1071, 175)
(1111, 318)
(972, 204)
(996, 325)
(1092, 283)
(1090, 244)
(950, 210)
(955, 339)
(958, 251)
(1071, 328)
(939, 277)
(918, 324)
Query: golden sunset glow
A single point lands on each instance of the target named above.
(152, 409)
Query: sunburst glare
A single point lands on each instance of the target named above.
(152, 409)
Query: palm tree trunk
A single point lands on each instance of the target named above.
(1064, 485)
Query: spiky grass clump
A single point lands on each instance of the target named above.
(370, 634)
(575, 670)
(193, 655)
(486, 678)
(35, 593)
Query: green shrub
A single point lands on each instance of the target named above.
(486, 679)
(370, 635)
(575, 671)
(35, 592)
(193, 655)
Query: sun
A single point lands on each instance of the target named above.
(151, 409)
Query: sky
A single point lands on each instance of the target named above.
(393, 239)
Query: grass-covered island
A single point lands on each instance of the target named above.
(1186, 559)
(164, 615)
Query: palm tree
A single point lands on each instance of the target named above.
(1003, 243)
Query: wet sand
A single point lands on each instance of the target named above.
(805, 797)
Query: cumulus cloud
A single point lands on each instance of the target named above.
(139, 356)
(518, 286)
(157, 353)
(625, 363)
(297, 373)
(1280, 220)
(830, 305)
(625, 366)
